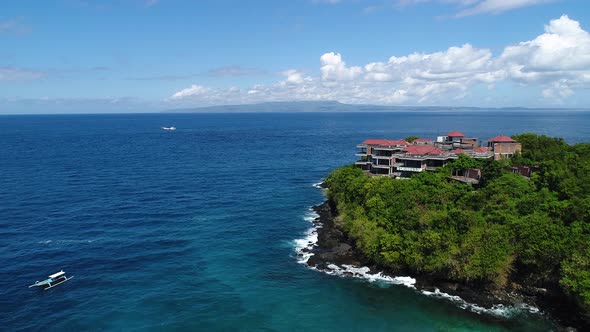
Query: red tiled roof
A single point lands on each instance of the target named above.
(482, 149)
(398, 142)
(501, 139)
(421, 150)
(458, 151)
(456, 134)
(375, 141)
(385, 142)
(423, 140)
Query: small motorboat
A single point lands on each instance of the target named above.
(54, 280)
(169, 128)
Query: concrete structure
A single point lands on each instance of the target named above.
(401, 159)
(503, 147)
(377, 155)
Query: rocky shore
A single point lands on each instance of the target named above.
(334, 249)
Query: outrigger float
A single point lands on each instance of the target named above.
(54, 280)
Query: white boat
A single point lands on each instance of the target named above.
(52, 281)
(169, 128)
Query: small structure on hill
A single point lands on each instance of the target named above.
(503, 147)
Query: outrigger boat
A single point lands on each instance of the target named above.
(54, 280)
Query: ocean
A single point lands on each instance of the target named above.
(197, 229)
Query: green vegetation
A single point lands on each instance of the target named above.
(533, 231)
(411, 138)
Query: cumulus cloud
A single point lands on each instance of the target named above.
(293, 76)
(333, 68)
(556, 63)
(558, 59)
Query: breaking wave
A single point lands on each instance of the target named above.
(498, 310)
(303, 246)
(363, 273)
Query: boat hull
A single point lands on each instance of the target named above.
(50, 283)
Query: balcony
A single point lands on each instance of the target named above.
(374, 156)
(380, 166)
(362, 162)
(389, 148)
(409, 169)
(360, 154)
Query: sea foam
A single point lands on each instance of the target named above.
(303, 246)
(498, 310)
(363, 273)
(318, 185)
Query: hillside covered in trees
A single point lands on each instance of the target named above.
(511, 231)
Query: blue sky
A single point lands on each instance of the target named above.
(148, 55)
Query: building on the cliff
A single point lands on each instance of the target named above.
(377, 155)
(401, 159)
(503, 147)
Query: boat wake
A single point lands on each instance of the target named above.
(64, 241)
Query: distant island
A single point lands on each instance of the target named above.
(521, 232)
(327, 106)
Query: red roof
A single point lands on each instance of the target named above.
(423, 140)
(398, 142)
(456, 134)
(375, 141)
(482, 149)
(458, 151)
(501, 139)
(385, 142)
(421, 150)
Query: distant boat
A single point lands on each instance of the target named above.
(169, 128)
(54, 280)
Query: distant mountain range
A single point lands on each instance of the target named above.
(327, 106)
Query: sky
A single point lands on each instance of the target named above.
(67, 56)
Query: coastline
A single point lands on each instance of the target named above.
(328, 249)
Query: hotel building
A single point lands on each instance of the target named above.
(401, 159)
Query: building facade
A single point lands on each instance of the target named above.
(401, 159)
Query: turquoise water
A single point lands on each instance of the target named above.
(195, 229)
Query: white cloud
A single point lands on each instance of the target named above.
(194, 90)
(558, 90)
(558, 59)
(499, 6)
(294, 77)
(333, 68)
(555, 63)
(19, 74)
(476, 7)
(564, 46)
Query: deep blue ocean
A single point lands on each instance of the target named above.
(195, 229)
